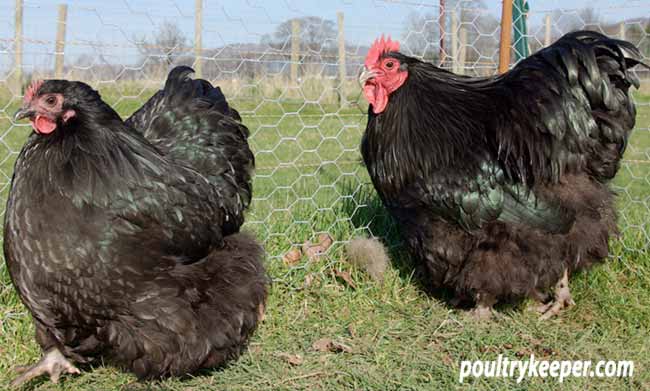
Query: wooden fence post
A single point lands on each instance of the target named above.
(198, 38)
(441, 24)
(547, 31)
(60, 41)
(18, 49)
(621, 31)
(295, 50)
(454, 41)
(462, 51)
(506, 36)
(342, 69)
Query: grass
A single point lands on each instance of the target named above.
(309, 180)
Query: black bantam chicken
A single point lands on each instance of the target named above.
(121, 237)
(499, 184)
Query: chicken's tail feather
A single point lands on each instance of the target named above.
(600, 69)
(181, 89)
(190, 121)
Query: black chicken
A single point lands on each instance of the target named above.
(121, 237)
(499, 184)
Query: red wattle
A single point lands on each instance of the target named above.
(369, 92)
(377, 96)
(43, 125)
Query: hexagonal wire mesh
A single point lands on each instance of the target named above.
(293, 78)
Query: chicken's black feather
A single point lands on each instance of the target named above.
(179, 120)
(124, 247)
(499, 182)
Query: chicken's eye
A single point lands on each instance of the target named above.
(50, 100)
(389, 64)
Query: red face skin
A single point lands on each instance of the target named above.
(387, 78)
(46, 109)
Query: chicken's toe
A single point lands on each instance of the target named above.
(561, 301)
(483, 310)
(540, 307)
(52, 363)
(555, 308)
(481, 313)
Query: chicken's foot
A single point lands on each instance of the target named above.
(52, 363)
(562, 299)
(483, 309)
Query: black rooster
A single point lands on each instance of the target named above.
(499, 184)
(122, 237)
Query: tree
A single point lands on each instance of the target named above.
(317, 38)
(166, 48)
(482, 30)
(422, 37)
(637, 31)
(584, 19)
(316, 34)
(588, 19)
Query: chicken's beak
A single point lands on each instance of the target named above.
(24, 112)
(366, 75)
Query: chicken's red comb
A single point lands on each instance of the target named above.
(379, 47)
(32, 90)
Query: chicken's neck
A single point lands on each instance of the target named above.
(431, 126)
(87, 163)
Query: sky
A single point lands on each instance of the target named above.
(111, 28)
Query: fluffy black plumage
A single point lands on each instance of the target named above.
(499, 184)
(122, 239)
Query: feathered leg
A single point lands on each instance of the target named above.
(483, 309)
(561, 300)
(52, 363)
(540, 300)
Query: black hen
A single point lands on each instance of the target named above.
(122, 237)
(499, 184)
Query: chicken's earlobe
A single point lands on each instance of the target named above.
(68, 114)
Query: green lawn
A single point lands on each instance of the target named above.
(309, 180)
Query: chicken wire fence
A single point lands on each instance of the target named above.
(290, 68)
